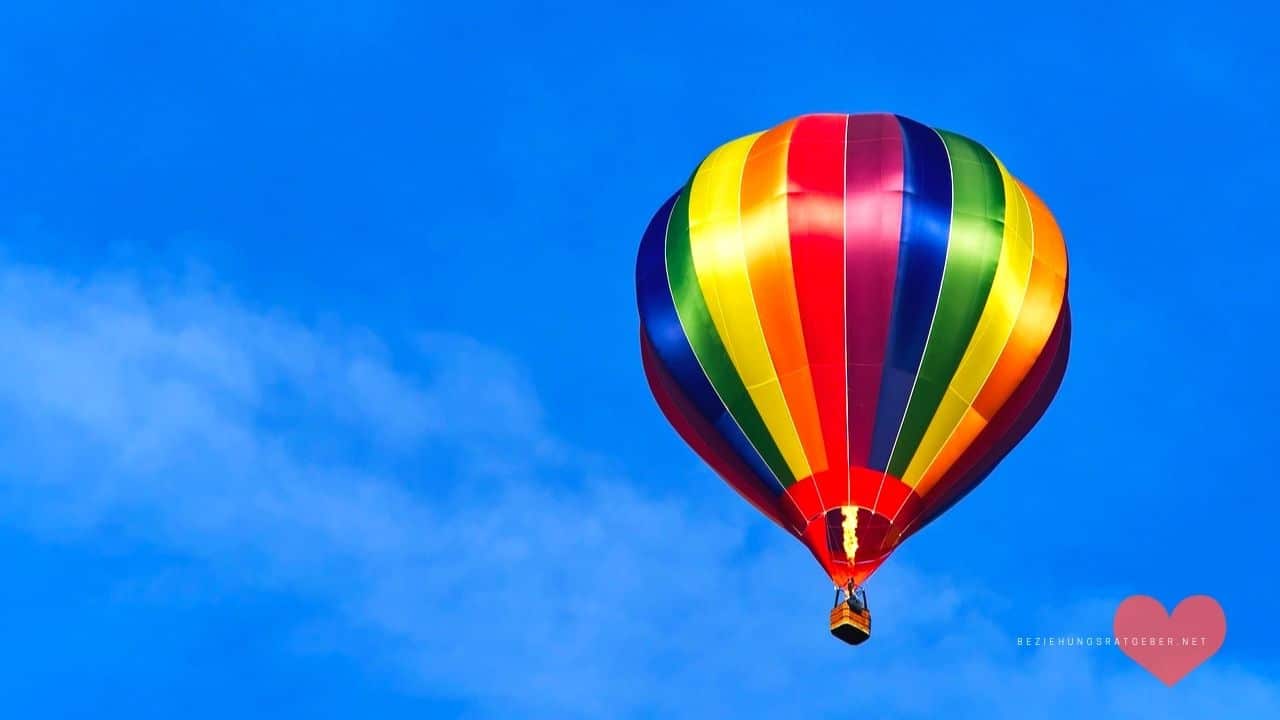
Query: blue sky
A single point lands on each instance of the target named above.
(321, 396)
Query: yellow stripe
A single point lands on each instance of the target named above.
(1008, 289)
(716, 242)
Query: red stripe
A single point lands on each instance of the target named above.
(815, 217)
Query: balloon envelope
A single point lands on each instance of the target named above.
(852, 319)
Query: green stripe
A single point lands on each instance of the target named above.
(706, 344)
(973, 249)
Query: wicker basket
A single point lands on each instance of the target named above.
(850, 626)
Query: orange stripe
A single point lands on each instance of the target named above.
(1039, 310)
(767, 244)
(1036, 319)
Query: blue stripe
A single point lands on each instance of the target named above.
(662, 326)
(922, 254)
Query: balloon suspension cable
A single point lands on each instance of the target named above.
(852, 594)
(848, 592)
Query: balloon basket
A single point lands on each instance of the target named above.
(851, 626)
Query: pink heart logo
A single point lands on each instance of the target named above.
(1170, 646)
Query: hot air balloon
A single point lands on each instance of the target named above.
(852, 319)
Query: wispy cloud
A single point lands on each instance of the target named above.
(412, 494)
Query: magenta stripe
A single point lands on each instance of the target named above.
(873, 223)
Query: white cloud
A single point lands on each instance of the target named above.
(183, 418)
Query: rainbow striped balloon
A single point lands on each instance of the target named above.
(853, 319)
